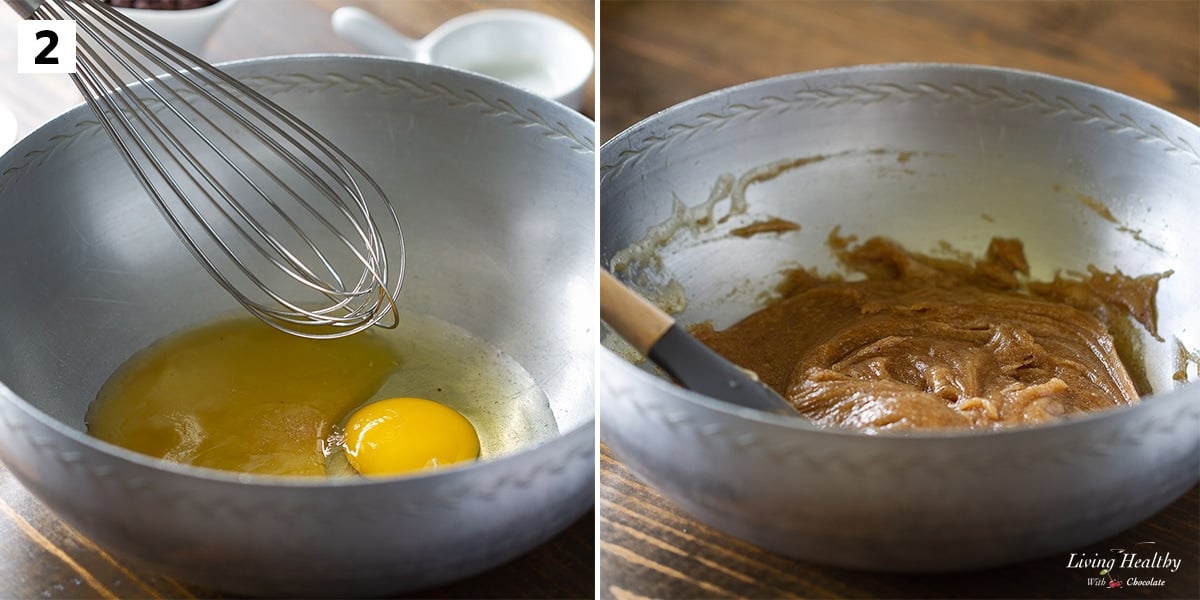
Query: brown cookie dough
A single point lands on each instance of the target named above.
(925, 343)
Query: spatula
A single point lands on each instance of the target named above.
(655, 334)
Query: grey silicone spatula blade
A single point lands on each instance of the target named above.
(695, 366)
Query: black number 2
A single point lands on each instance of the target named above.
(44, 58)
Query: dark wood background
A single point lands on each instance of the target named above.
(657, 54)
(40, 557)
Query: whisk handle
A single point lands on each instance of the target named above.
(24, 8)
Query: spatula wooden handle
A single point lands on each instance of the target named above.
(688, 361)
(641, 324)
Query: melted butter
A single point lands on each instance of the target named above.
(237, 395)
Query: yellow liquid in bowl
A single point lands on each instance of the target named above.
(237, 395)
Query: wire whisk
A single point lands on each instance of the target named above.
(280, 217)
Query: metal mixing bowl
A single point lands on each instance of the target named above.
(921, 154)
(495, 188)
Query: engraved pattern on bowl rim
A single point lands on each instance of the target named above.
(877, 92)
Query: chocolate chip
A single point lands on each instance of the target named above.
(162, 4)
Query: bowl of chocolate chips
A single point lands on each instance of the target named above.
(187, 23)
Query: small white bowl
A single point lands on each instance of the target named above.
(530, 50)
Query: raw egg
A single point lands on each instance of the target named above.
(239, 396)
(403, 435)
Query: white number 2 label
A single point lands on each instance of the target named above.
(45, 46)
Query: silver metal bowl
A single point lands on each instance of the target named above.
(922, 154)
(495, 188)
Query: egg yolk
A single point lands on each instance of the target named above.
(404, 435)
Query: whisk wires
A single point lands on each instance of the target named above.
(281, 218)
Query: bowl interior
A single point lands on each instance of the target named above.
(929, 155)
(495, 201)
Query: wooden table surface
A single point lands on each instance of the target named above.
(40, 557)
(656, 54)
